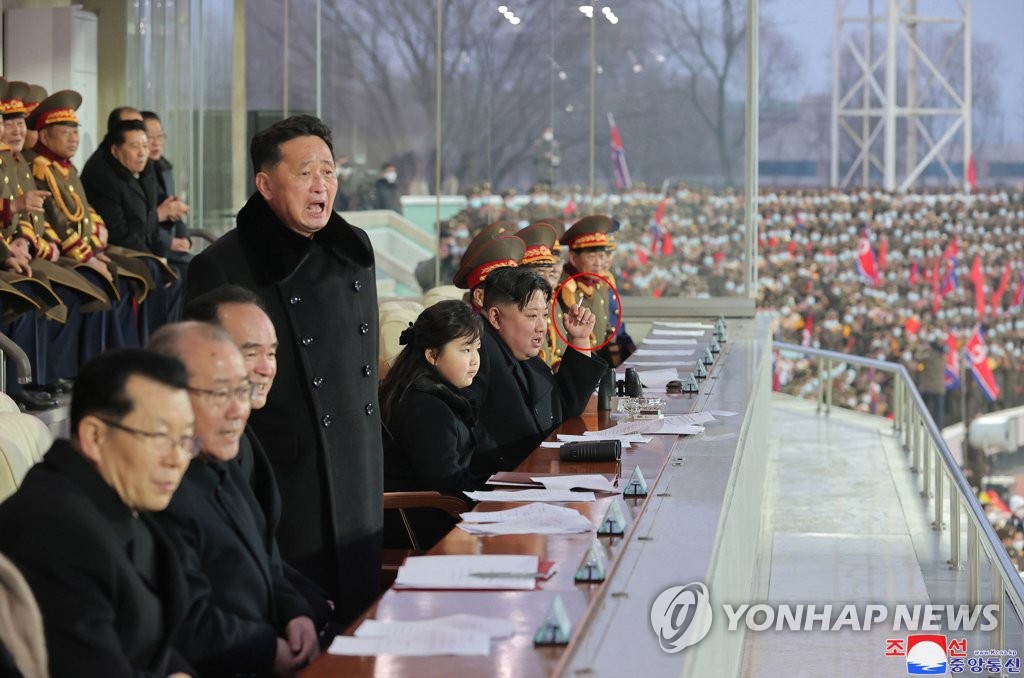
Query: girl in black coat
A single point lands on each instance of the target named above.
(430, 427)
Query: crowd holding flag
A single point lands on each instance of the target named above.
(867, 265)
(1004, 283)
(952, 372)
(978, 281)
(619, 169)
(1018, 296)
(977, 357)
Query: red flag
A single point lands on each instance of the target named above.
(570, 207)
(1018, 296)
(666, 243)
(952, 250)
(951, 375)
(883, 252)
(972, 174)
(641, 254)
(977, 355)
(619, 169)
(867, 266)
(978, 280)
(913, 272)
(659, 214)
(997, 296)
(936, 295)
(912, 325)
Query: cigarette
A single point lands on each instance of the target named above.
(579, 304)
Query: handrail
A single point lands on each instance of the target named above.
(915, 425)
(21, 362)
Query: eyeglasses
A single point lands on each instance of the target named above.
(220, 398)
(162, 442)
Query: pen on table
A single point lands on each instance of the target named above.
(508, 575)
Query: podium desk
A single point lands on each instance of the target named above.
(692, 505)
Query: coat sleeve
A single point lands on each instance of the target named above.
(577, 380)
(214, 640)
(82, 639)
(427, 432)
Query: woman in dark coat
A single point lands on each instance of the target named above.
(430, 427)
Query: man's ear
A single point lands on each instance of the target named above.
(263, 185)
(493, 317)
(90, 435)
(478, 296)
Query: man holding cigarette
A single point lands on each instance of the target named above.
(516, 305)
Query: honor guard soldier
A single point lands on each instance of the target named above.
(588, 243)
(79, 231)
(501, 252)
(541, 256)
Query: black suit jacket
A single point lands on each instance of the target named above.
(241, 600)
(521, 402)
(320, 426)
(71, 536)
(126, 203)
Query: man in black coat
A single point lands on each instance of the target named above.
(521, 402)
(320, 427)
(171, 208)
(245, 617)
(105, 576)
(120, 192)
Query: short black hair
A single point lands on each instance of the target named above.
(514, 286)
(116, 137)
(115, 117)
(99, 387)
(204, 307)
(150, 115)
(265, 147)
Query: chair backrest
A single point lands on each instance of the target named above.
(401, 501)
(24, 440)
(442, 293)
(392, 323)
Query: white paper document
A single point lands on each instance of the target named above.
(531, 495)
(692, 325)
(541, 519)
(625, 437)
(663, 341)
(415, 642)
(676, 424)
(667, 427)
(517, 573)
(492, 627)
(642, 352)
(589, 481)
(722, 413)
(656, 332)
(658, 363)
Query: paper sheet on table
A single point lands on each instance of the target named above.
(664, 341)
(639, 364)
(416, 642)
(656, 333)
(545, 519)
(723, 413)
(666, 427)
(492, 627)
(623, 431)
(462, 572)
(589, 481)
(684, 325)
(517, 513)
(531, 495)
(641, 352)
(695, 418)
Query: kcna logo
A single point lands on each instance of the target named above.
(681, 616)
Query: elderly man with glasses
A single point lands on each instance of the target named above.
(79, 528)
(245, 617)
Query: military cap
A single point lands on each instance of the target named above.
(589, 233)
(486, 235)
(59, 107)
(502, 252)
(540, 239)
(36, 93)
(559, 229)
(12, 99)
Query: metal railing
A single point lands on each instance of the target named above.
(930, 456)
(21, 362)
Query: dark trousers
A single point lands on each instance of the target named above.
(936, 404)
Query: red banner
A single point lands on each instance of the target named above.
(977, 356)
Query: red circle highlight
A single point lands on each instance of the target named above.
(557, 325)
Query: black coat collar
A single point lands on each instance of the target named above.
(278, 251)
(462, 406)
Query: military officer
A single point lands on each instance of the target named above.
(588, 242)
(502, 252)
(541, 255)
(28, 229)
(78, 229)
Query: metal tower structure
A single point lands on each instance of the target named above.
(900, 85)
